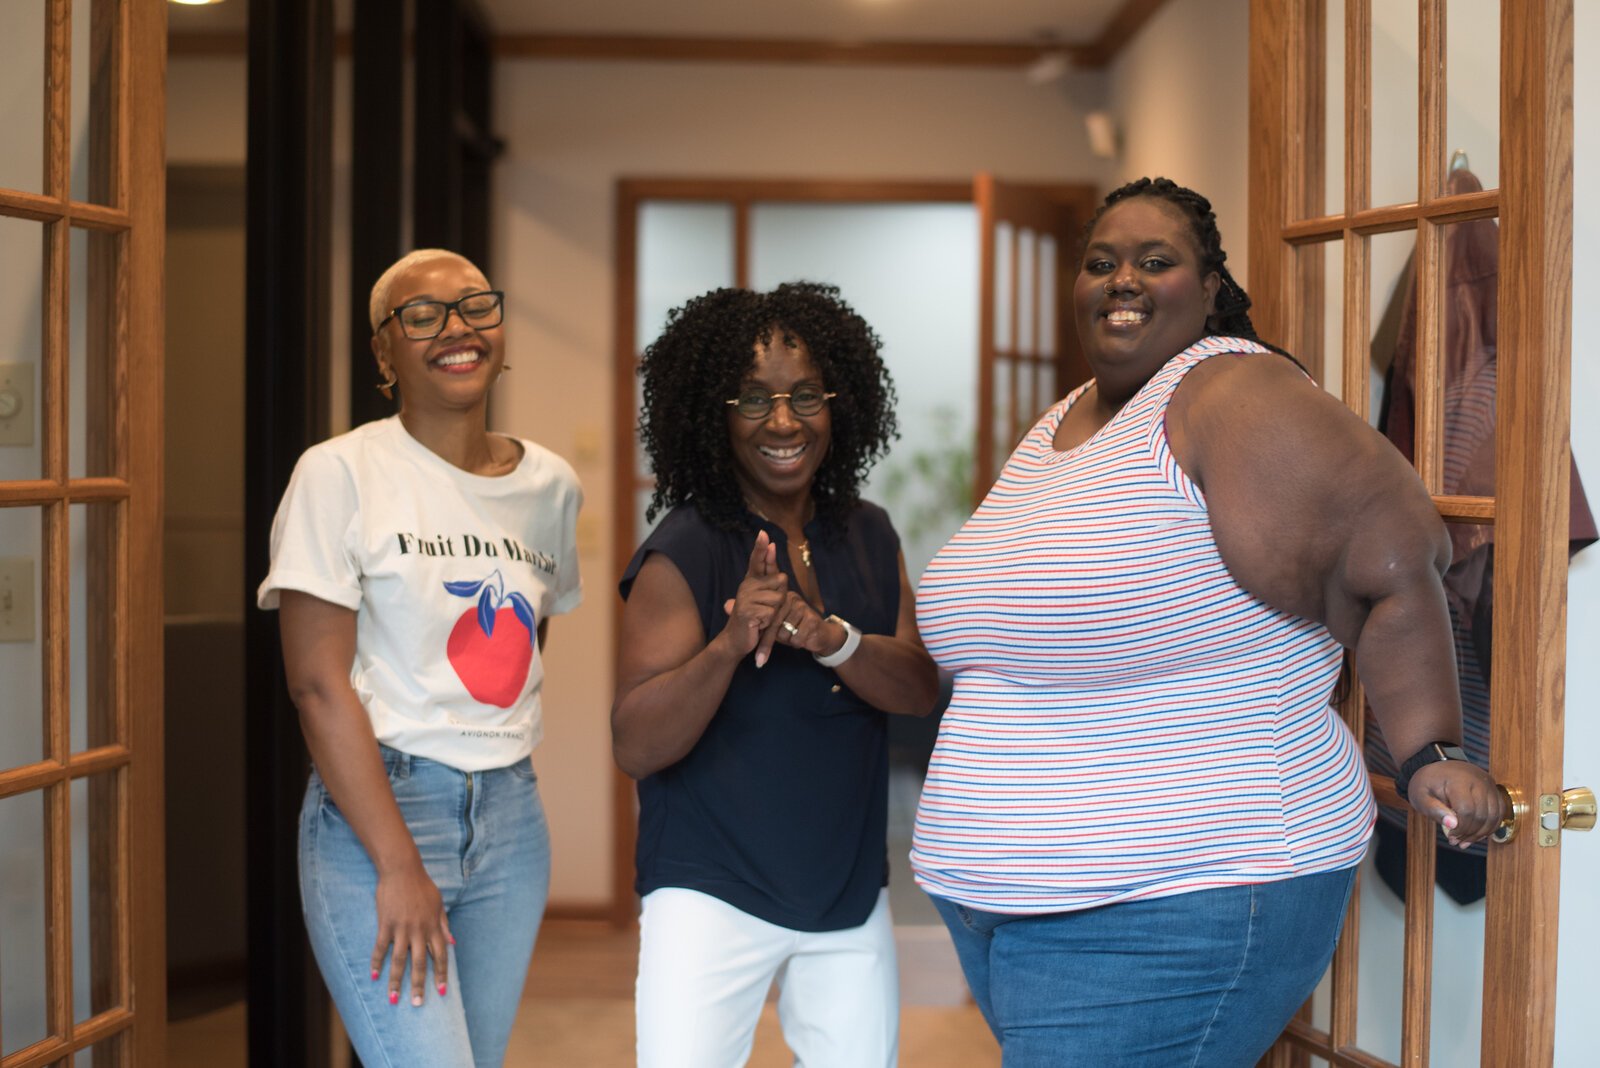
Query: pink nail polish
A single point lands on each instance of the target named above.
(374, 973)
(452, 939)
(394, 997)
(441, 990)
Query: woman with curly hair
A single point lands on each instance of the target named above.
(768, 628)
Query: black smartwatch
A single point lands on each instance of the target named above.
(1432, 753)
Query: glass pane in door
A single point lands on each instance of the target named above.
(21, 637)
(1329, 256)
(685, 249)
(95, 932)
(23, 917)
(1394, 102)
(1332, 111)
(95, 53)
(1472, 89)
(92, 419)
(93, 597)
(22, 310)
(22, 102)
(1392, 351)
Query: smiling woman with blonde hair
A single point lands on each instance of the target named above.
(415, 564)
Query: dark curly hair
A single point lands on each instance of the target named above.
(700, 360)
(1232, 315)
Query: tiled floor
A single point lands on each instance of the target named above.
(577, 1009)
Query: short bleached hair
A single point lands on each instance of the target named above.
(378, 306)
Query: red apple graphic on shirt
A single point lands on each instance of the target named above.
(491, 645)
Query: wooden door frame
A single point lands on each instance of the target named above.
(1042, 207)
(126, 871)
(1530, 511)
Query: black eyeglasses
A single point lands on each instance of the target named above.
(424, 319)
(754, 403)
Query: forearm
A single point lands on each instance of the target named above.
(892, 674)
(657, 722)
(339, 734)
(1405, 656)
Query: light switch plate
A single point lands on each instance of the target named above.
(16, 404)
(16, 599)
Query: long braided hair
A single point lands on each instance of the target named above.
(1232, 315)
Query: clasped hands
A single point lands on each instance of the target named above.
(765, 611)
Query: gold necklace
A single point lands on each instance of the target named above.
(804, 547)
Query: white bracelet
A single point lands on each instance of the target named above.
(852, 642)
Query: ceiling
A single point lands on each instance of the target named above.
(1016, 21)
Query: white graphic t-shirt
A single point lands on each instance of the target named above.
(449, 574)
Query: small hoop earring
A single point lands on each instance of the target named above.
(386, 387)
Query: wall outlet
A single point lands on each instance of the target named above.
(16, 404)
(16, 599)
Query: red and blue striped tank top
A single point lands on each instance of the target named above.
(1127, 722)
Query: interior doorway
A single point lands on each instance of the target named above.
(204, 613)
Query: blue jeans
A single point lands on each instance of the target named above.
(485, 845)
(1207, 978)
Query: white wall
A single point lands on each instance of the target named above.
(1577, 1025)
(1181, 96)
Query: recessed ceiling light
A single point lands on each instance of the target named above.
(196, 3)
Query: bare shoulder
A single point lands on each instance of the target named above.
(1308, 503)
(1261, 397)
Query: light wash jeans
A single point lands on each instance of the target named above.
(1200, 980)
(485, 845)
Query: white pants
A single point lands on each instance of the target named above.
(704, 971)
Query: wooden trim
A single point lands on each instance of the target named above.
(47, 491)
(1356, 283)
(831, 190)
(1123, 26)
(1532, 462)
(1416, 999)
(741, 244)
(1430, 280)
(816, 51)
(624, 484)
(1466, 509)
(648, 48)
(1302, 1035)
(1270, 49)
(984, 469)
(587, 912)
(1460, 207)
(84, 1035)
(41, 207)
(137, 877)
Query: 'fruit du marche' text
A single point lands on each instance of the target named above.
(468, 546)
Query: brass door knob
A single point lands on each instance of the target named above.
(1577, 809)
(1572, 809)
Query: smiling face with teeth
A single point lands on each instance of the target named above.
(455, 369)
(1140, 298)
(776, 458)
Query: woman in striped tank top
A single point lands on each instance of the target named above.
(1142, 819)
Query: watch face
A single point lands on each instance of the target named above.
(1451, 752)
